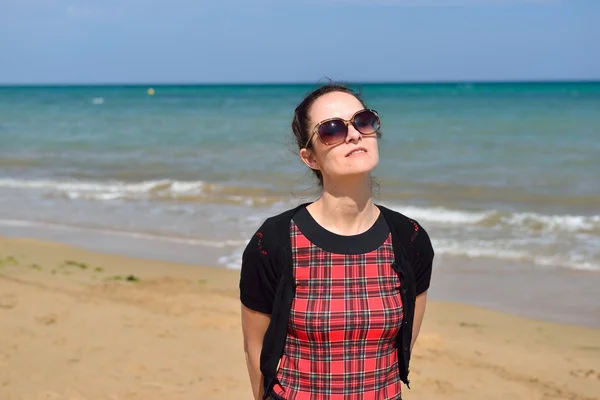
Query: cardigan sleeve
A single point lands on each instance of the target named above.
(423, 259)
(258, 280)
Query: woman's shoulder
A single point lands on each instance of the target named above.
(408, 228)
(272, 232)
(399, 220)
(262, 260)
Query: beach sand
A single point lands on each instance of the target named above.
(76, 324)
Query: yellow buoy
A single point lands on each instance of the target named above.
(150, 92)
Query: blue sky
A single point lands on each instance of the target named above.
(198, 41)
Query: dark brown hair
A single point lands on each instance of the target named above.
(301, 123)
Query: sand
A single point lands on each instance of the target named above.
(76, 324)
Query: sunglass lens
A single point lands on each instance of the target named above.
(366, 122)
(333, 131)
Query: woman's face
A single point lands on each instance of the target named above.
(356, 156)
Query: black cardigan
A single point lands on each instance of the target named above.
(267, 283)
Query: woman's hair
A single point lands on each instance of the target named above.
(301, 124)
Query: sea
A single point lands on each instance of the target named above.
(500, 174)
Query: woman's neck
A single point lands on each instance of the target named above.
(347, 210)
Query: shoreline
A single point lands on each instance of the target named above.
(87, 325)
(516, 288)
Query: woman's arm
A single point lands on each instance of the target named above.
(420, 303)
(423, 267)
(254, 326)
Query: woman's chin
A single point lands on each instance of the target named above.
(355, 173)
(363, 167)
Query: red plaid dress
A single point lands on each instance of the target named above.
(343, 322)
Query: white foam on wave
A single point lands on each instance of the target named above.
(136, 191)
(501, 250)
(443, 215)
(88, 186)
(99, 196)
(110, 190)
(476, 249)
(571, 223)
(493, 218)
(232, 260)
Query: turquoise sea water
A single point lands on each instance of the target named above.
(506, 171)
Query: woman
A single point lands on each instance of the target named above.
(333, 292)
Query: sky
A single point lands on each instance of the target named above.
(272, 41)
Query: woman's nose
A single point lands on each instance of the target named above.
(353, 135)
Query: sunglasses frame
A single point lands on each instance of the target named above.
(315, 130)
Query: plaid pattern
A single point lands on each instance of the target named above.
(343, 325)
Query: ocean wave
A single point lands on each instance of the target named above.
(161, 190)
(443, 215)
(552, 223)
(201, 192)
(534, 222)
(110, 187)
(499, 250)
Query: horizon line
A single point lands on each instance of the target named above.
(301, 83)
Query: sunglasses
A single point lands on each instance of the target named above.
(335, 130)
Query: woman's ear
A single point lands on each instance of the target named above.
(308, 157)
